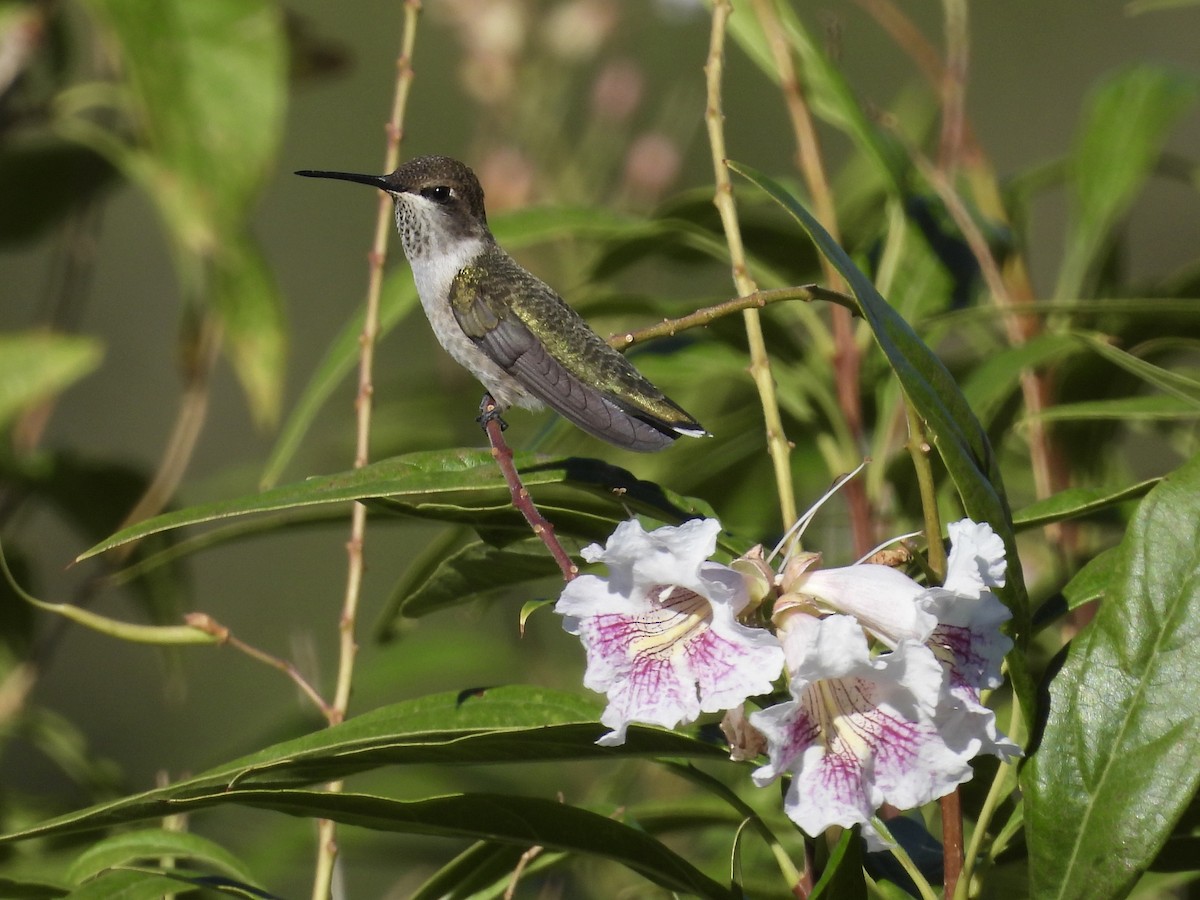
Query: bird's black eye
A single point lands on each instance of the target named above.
(439, 193)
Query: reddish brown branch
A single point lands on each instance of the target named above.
(952, 841)
(503, 455)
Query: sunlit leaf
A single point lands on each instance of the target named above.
(505, 724)
(1092, 581)
(1123, 409)
(1115, 766)
(1179, 386)
(453, 485)
(1073, 503)
(953, 428)
(151, 844)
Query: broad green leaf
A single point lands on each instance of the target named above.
(1126, 122)
(1073, 503)
(150, 845)
(506, 724)
(1154, 408)
(453, 485)
(34, 366)
(205, 86)
(476, 569)
(1116, 764)
(524, 821)
(953, 428)
(1092, 581)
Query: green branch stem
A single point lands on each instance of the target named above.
(348, 647)
(760, 365)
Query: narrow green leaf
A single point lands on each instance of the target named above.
(1073, 503)
(151, 844)
(994, 380)
(1116, 765)
(505, 724)
(35, 366)
(953, 428)
(1153, 408)
(1092, 581)
(1124, 127)
(452, 485)
(1178, 386)
(146, 883)
(484, 869)
(478, 568)
(251, 309)
(524, 821)
(830, 94)
(843, 876)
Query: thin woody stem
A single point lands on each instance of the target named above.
(327, 848)
(760, 363)
(709, 314)
(209, 625)
(503, 455)
(847, 361)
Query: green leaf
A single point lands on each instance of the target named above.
(484, 869)
(506, 724)
(23, 889)
(1092, 581)
(145, 883)
(993, 381)
(1076, 502)
(1178, 386)
(827, 89)
(206, 86)
(953, 428)
(1122, 134)
(1116, 765)
(35, 366)
(1124, 409)
(843, 876)
(579, 495)
(476, 569)
(151, 844)
(523, 821)
(251, 309)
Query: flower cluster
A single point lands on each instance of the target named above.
(883, 675)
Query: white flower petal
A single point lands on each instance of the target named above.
(881, 598)
(976, 559)
(863, 733)
(661, 634)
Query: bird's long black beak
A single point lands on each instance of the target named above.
(378, 181)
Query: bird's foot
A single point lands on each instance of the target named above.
(489, 411)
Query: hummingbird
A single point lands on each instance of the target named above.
(507, 327)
